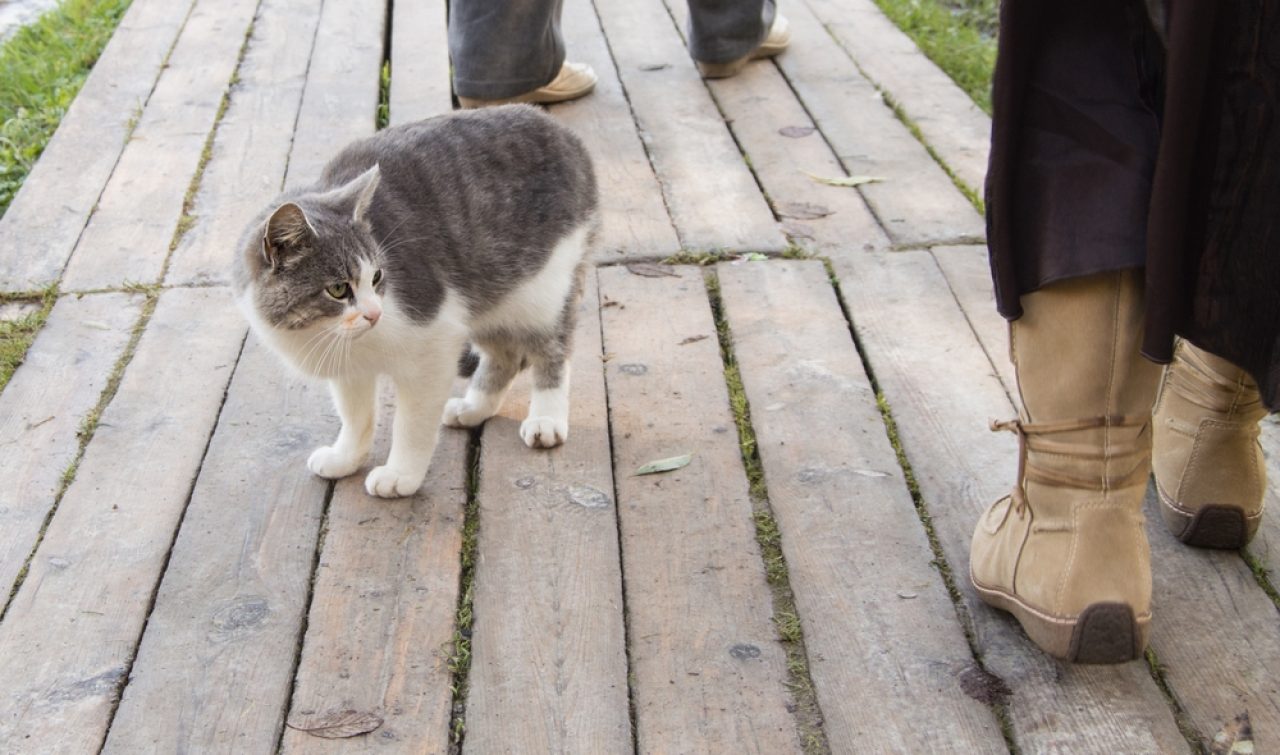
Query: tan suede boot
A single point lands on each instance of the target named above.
(1066, 552)
(1208, 463)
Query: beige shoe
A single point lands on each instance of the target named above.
(1208, 464)
(574, 80)
(1066, 552)
(777, 41)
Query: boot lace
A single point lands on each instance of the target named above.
(1032, 437)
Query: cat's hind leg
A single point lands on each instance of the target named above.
(354, 399)
(547, 425)
(489, 383)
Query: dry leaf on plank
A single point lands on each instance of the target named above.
(338, 724)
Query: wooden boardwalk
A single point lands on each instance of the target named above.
(181, 583)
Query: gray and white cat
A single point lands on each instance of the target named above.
(468, 228)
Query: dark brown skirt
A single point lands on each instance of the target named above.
(1109, 154)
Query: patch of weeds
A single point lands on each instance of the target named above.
(384, 96)
(1262, 575)
(786, 618)
(459, 652)
(44, 66)
(1180, 716)
(796, 252)
(958, 35)
(689, 257)
(17, 335)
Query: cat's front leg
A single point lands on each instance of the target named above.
(419, 401)
(354, 398)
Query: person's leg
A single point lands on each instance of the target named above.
(724, 30)
(1209, 470)
(506, 51)
(1066, 553)
(725, 34)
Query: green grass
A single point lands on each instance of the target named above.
(958, 35)
(41, 70)
(16, 335)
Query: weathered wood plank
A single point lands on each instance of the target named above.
(1266, 544)
(420, 85)
(1216, 633)
(69, 637)
(712, 196)
(957, 129)
(916, 203)
(549, 659)
(635, 220)
(128, 237)
(40, 228)
(968, 273)
(758, 104)
(251, 149)
(857, 556)
(910, 327)
(60, 381)
(708, 670)
(383, 609)
(340, 102)
(215, 664)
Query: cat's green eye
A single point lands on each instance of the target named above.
(338, 290)
(377, 277)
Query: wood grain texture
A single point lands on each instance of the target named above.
(60, 381)
(708, 670)
(251, 149)
(420, 85)
(858, 559)
(710, 192)
(943, 392)
(217, 656)
(128, 237)
(44, 221)
(549, 659)
(916, 203)
(71, 632)
(957, 129)
(635, 220)
(340, 101)
(383, 609)
(1266, 544)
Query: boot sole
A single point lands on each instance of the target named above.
(1102, 633)
(1216, 526)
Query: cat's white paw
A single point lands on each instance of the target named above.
(458, 412)
(332, 464)
(544, 432)
(385, 482)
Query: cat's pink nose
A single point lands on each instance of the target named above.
(372, 315)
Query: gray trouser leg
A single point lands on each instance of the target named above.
(503, 48)
(725, 30)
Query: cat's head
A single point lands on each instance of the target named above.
(313, 266)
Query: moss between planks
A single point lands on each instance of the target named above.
(786, 619)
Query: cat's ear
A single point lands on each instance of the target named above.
(365, 185)
(286, 229)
